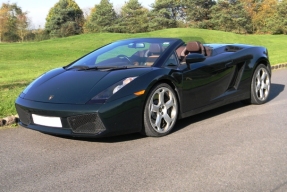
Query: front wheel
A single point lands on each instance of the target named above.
(161, 111)
(260, 86)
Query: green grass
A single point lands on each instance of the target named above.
(20, 63)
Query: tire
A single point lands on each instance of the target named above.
(161, 111)
(260, 85)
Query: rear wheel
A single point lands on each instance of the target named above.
(260, 85)
(161, 111)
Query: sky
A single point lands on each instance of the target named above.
(38, 9)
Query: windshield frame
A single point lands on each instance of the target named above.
(90, 60)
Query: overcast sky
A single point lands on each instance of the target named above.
(38, 9)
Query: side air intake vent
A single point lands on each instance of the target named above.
(231, 48)
(237, 75)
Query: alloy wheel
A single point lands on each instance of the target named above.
(162, 110)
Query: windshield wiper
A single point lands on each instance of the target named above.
(106, 68)
(124, 67)
(79, 67)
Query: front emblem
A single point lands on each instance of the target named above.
(51, 97)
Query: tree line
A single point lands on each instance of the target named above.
(13, 22)
(66, 18)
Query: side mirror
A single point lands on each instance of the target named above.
(194, 58)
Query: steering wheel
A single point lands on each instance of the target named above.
(125, 57)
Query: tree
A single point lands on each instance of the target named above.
(230, 16)
(199, 12)
(12, 21)
(102, 18)
(3, 20)
(260, 12)
(277, 24)
(65, 19)
(266, 10)
(22, 25)
(133, 18)
(165, 14)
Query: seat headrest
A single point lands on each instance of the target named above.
(155, 48)
(193, 46)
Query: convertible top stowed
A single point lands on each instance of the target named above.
(143, 85)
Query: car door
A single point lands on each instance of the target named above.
(204, 82)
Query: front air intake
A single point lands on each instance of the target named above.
(88, 123)
(24, 115)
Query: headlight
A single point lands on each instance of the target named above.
(106, 94)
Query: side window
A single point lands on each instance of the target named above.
(172, 61)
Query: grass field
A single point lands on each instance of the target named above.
(20, 63)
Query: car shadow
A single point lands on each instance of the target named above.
(276, 89)
(182, 123)
(115, 139)
(110, 139)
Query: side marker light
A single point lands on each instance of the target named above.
(139, 93)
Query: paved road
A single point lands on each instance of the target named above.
(233, 148)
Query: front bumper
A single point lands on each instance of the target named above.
(94, 120)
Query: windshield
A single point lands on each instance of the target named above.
(132, 52)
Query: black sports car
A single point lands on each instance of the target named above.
(143, 85)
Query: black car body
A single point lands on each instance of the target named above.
(143, 85)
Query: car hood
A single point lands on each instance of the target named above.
(74, 86)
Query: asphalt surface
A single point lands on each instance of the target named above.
(233, 148)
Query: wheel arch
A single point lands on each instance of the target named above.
(264, 61)
(168, 81)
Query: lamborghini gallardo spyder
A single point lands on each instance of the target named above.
(143, 85)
